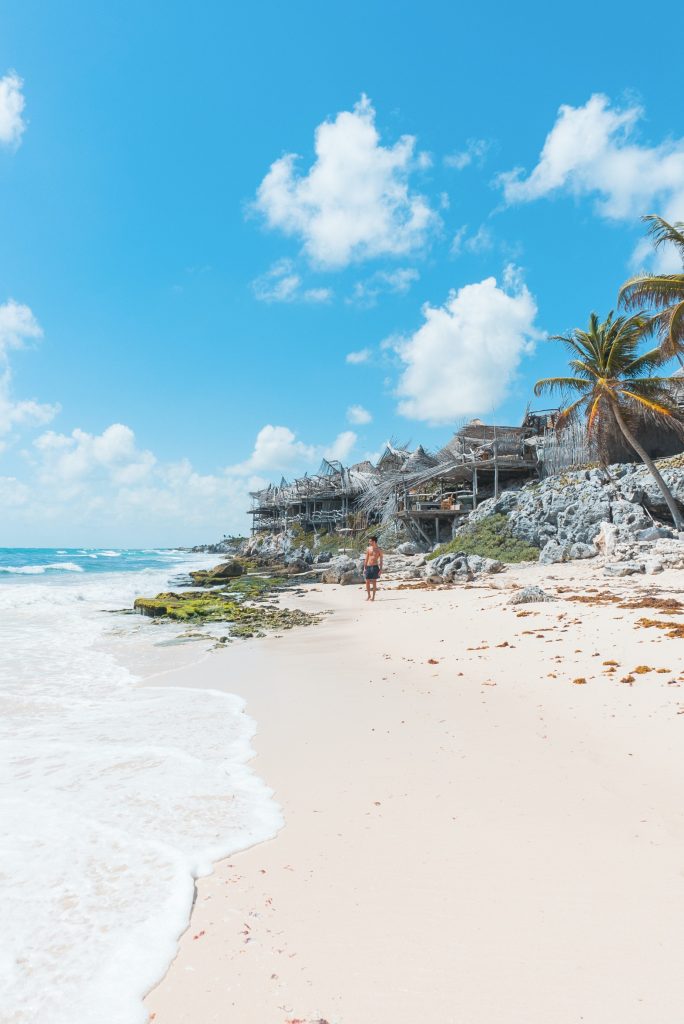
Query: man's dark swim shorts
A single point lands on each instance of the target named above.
(372, 572)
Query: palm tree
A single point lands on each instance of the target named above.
(662, 292)
(615, 388)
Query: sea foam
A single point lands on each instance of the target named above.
(113, 798)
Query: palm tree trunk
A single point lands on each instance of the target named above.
(651, 466)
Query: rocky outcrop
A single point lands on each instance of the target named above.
(219, 574)
(200, 606)
(457, 565)
(343, 570)
(583, 512)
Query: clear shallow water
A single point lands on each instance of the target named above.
(113, 796)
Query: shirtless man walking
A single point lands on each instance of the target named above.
(372, 567)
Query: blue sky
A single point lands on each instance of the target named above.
(173, 282)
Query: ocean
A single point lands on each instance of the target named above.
(114, 795)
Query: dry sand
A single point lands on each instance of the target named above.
(470, 836)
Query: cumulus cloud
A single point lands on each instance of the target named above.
(354, 203)
(12, 124)
(282, 283)
(17, 326)
(475, 152)
(69, 459)
(463, 358)
(356, 358)
(357, 415)
(395, 281)
(342, 447)
(277, 450)
(592, 150)
(104, 488)
(24, 413)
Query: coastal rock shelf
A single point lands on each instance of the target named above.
(569, 509)
(245, 619)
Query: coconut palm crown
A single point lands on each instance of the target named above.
(661, 292)
(613, 389)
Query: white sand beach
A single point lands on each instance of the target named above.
(470, 836)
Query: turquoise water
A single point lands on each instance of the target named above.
(114, 796)
(59, 561)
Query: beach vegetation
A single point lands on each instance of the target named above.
(661, 293)
(491, 538)
(612, 389)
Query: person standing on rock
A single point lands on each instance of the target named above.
(372, 567)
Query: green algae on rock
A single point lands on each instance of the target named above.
(200, 606)
(220, 573)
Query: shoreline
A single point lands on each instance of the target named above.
(460, 845)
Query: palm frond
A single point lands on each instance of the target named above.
(662, 232)
(648, 403)
(571, 411)
(675, 340)
(646, 362)
(551, 384)
(653, 291)
(593, 414)
(586, 369)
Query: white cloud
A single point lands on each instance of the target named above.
(591, 151)
(17, 325)
(68, 460)
(24, 413)
(13, 493)
(277, 451)
(463, 358)
(357, 415)
(342, 446)
(475, 152)
(281, 283)
(12, 125)
(354, 203)
(356, 358)
(103, 488)
(396, 281)
(478, 243)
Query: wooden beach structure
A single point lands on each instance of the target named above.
(320, 503)
(428, 495)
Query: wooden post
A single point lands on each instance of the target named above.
(474, 488)
(496, 472)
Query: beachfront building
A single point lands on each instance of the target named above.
(324, 502)
(427, 496)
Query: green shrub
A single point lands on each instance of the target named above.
(491, 538)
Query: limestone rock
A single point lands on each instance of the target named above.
(409, 547)
(349, 577)
(225, 571)
(579, 550)
(553, 552)
(606, 539)
(654, 533)
(623, 569)
(530, 595)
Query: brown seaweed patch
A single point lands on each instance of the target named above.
(675, 630)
